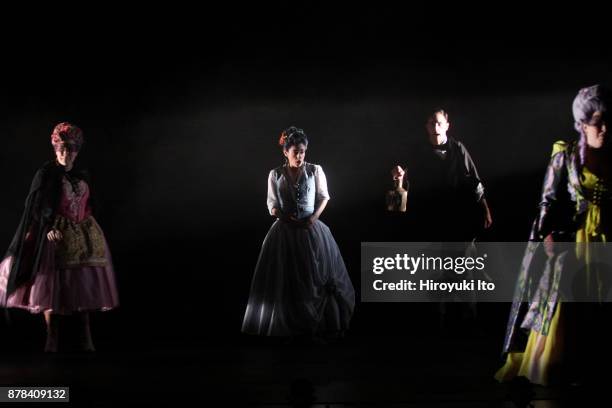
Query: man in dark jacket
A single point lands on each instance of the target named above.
(447, 196)
(446, 203)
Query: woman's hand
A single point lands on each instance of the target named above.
(54, 235)
(302, 223)
(289, 219)
(549, 245)
(295, 222)
(311, 220)
(305, 222)
(276, 212)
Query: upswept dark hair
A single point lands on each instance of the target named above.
(292, 136)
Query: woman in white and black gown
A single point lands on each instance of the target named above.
(300, 286)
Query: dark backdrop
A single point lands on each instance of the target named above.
(181, 118)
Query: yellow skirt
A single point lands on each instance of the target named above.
(541, 356)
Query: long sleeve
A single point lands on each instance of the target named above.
(553, 216)
(321, 184)
(273, 201)
(476, 185)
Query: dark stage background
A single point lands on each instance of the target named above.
(181, 128)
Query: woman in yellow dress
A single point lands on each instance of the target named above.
(545, 337)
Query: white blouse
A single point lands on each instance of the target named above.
(299, 199)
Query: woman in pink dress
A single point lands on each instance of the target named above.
(58, 262)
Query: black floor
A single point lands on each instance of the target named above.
(424, 369)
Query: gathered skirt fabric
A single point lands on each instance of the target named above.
(62, 290)
(300, 285)
(542, 357)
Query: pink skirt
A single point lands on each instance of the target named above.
(62, 291)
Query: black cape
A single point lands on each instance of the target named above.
(39, 213)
